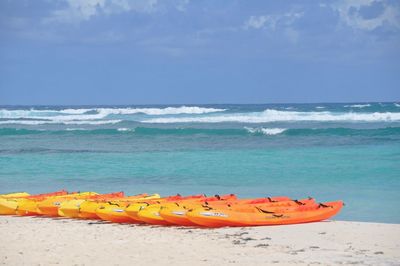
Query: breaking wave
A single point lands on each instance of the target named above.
(98, 113)
(358, 105)
(72, 122)
(271, 115)
(266, 131)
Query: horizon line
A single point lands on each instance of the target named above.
(195, 104)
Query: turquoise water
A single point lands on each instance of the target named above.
(328, 151)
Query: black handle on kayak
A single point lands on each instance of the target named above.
(263, 211)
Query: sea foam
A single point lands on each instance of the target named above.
(265, 131)
(98, 113)
(271, 115)
(358, 105)
(44, 122)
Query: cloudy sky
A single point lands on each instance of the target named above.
(186, 51)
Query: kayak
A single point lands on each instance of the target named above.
(151, 214)
(176, 213)
(210, 217)
(114, 211)
(11, 203)
(71, 208)
(8, 206)
(133, 209)
(50, 206)
(88, 208)
(15, 195)
(28, 205)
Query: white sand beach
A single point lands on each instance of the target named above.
(46, 241)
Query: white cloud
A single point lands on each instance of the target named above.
(78, 10)
(349, 12)
(256, 22)
(272, 21)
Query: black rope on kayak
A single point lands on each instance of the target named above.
(277, 215)
(206, 207)
(270, 199)
(263, 211)
(217, 196)
(299, 202)
(177, 204)
(111, 203)
(324, 206)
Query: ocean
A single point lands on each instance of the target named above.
(348, 151)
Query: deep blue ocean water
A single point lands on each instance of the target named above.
(348, 151)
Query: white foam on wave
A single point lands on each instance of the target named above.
(124, 129)
(100, 113)
(74, 111)
(270, 115)
(42, 122)
(266, 131)
(320, 107)
(159, 111)
(397, 104)
(358, 105)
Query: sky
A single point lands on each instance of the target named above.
(77, 52)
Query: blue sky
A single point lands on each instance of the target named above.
(185, 51)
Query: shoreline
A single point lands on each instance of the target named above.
(46, 241)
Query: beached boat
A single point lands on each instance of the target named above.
(210, 217)
(175, 213)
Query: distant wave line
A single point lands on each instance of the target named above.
(100, 113)
(271, 115)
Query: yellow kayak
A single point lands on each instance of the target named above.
(115, 211)
(15, 195)
(27, 207)
(9, 203)
(151, 215)
(8, 206)
(89, 207)
(50, 206)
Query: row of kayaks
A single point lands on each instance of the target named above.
(195, 210)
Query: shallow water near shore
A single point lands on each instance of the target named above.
(328, 151)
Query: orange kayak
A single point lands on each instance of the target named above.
(210, 217)
(176, 213)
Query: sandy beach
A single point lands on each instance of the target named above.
(45, 241)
